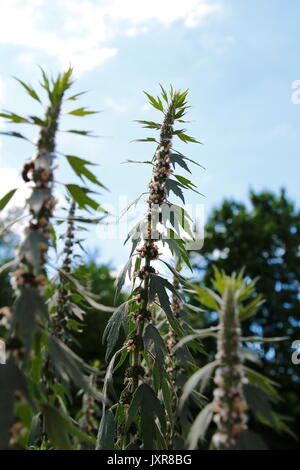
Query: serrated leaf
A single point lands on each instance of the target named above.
(186, 138)
(249, 440)
(177, 248)
(158, 286)
(122, 276)
(156, 103)
(15, 118)
(36, 120)
(259, 380)
(177, 159)
(59, 428)
(201, 376)
(106, 432)
(174, 272)
(175, 187)
(146, 402)
(111, 333)
(149, 124)
(199, 427)
(259, 402)
(186, 182)
(79, 167)
(135, 233)
(88, 296)
(187, 158)
(29, 89)
(29, 310)
(206, 298)
(163, 93)
(71, 367)
(205, 333)
(150, 335)
(249, 310)
(80, 196)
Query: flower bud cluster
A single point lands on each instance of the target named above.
(229, 404)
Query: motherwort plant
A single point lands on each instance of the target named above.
(32, 344)
(240, 392)
(147, 393)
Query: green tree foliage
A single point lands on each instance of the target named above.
(263, 237)
(98, 279)
(143, 411)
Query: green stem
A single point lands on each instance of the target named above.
(229, 403)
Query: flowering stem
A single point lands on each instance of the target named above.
(63, 294)
(229, 403)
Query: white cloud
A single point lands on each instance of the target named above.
(78, 31)
(119, 107)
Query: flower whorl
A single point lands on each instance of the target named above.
(229, 404)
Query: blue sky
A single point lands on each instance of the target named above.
(239, 60)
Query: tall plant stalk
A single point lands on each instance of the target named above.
(229, 404)
(239, 391)
(34, 353)
(63, 295)
(144, 348)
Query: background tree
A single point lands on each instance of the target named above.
(98, 278)
(264, 237)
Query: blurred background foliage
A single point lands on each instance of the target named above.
(261, 235)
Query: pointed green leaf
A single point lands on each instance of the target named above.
(5, 199)
(14, 134)
(111, 333)
(107, 432)
(29, 309)
(29, 89)
(156, 103)
(79, 167)
(81, 112)
(122, 276)
(59, 428)
(200, 426)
